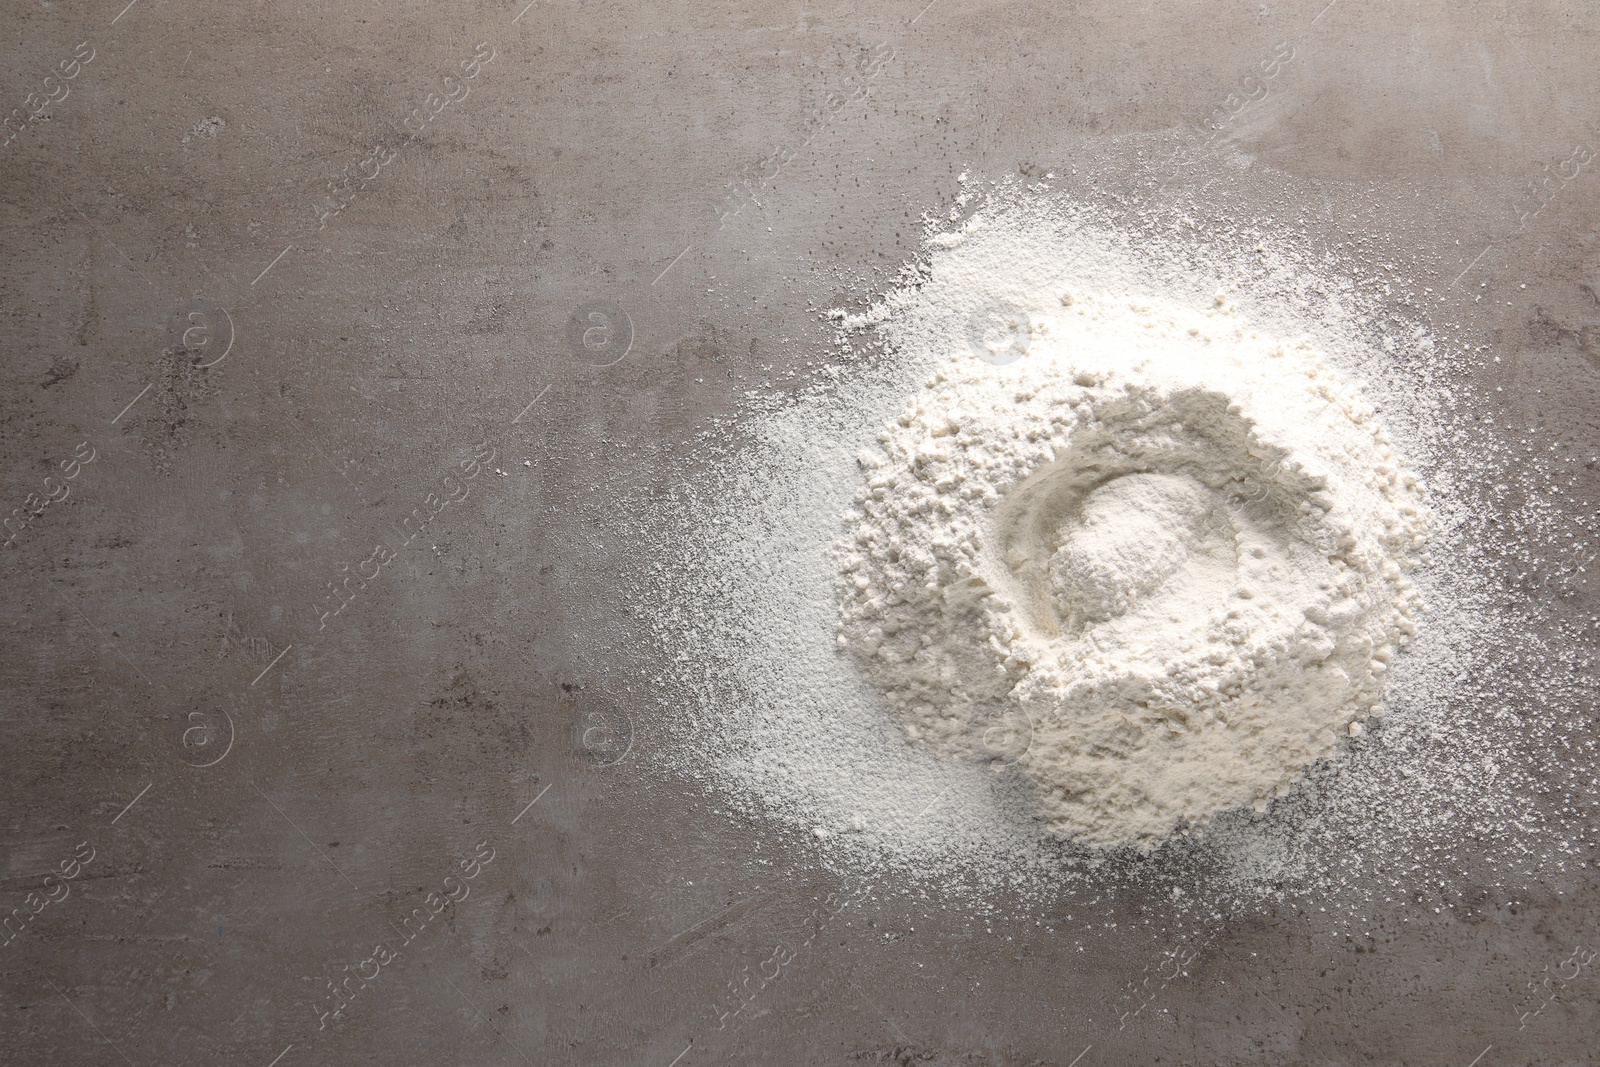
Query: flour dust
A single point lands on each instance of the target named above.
(1088, 556)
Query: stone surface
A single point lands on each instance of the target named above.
(273, 370)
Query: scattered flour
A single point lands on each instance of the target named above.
(1478, 776)
(1175, 547)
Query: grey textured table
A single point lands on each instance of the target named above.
(286, 280)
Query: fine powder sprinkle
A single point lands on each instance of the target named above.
(1149, 555)
(731, 561)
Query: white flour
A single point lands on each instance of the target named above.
(730, 568)
(1166, 550)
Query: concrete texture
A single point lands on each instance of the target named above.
(265, 299)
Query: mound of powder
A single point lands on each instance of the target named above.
(1149, 556)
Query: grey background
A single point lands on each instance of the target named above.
(592, 159)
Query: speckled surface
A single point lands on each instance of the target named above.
(273, 368)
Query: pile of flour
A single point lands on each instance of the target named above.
(1138, 493)
(1154, 558)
